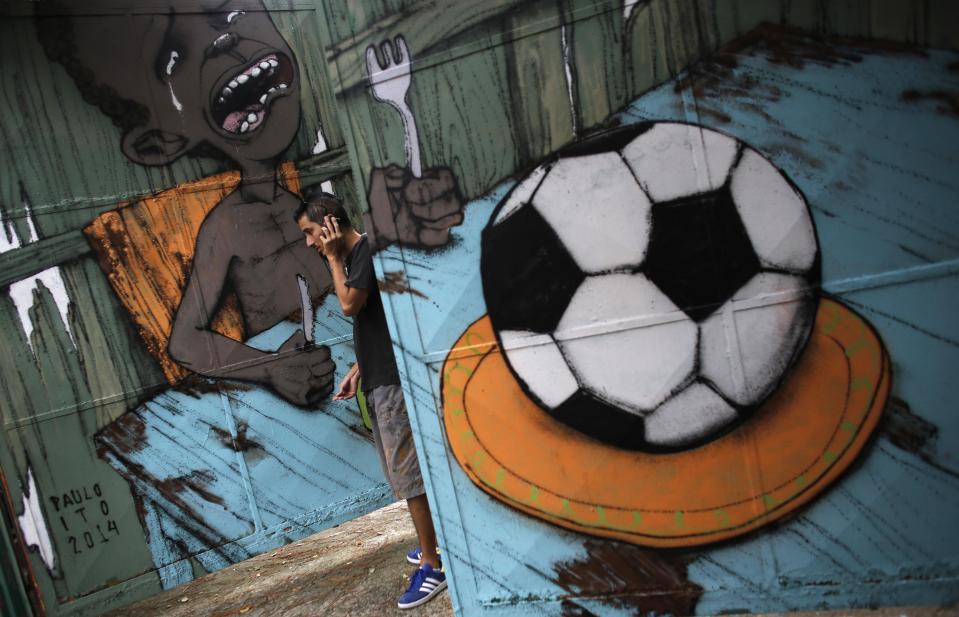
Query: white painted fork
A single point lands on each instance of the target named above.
(390, 84)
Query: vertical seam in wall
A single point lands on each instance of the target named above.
(227, 405)
(570, 74)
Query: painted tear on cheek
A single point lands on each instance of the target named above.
(174, 56)
(176, 102)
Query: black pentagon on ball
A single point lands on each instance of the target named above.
(699, 253)
(528, 275)
(601, 421)
(607, 140)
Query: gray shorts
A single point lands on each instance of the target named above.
(394, 440)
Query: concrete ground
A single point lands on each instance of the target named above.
(357, 569)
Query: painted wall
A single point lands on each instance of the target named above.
(670, 284)
(168, 341)
(688, 345)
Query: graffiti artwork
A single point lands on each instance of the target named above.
(662, 323)
(193, 88)
(670, 286)
(655, 340)
(228, 443)
(212, 277)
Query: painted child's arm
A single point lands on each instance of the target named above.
(302, 378)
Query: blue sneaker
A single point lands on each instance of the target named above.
(424, 584)
(415, 555)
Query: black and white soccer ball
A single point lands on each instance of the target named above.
(651, 286)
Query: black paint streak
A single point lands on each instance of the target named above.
(396, 283)
(240, 443)
(912, 433)
(629, 577)
(909, 251)
(899, 320)
(948, 100)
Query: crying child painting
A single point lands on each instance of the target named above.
(220, 286)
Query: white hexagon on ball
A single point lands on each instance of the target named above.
(749, 342)
(673, 160)
(588, 198)
(626, 341)
(540, 364)
(774, 214)
(521, 194)
(690, 415)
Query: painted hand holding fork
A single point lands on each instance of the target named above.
(390, 83)
(407, 206)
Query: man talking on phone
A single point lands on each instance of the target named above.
(327, 227)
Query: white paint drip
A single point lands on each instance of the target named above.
(176, 101)
(26, 208)
(628, 7)
(33, 526)
(320, 146)
(8, 237)
(568, 65)
(21, 292)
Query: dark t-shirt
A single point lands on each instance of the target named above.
(371, 336)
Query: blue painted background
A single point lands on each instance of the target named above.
(879, 173)
(252, 471)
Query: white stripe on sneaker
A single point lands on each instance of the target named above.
(429, 587)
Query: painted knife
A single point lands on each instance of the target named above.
(306, 311)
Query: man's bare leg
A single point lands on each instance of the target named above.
(423, 522)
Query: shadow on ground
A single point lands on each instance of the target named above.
(358, 568)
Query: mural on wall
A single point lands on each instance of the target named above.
(156, 333)
(673, 337)
(408, 206)
(239, 448)
(226, 83)
(658, 327)
(219, 282)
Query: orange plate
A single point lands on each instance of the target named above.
(803, 437)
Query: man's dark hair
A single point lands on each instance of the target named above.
(54, 25)
(322, 205)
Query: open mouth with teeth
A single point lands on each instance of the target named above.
(241, 104)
